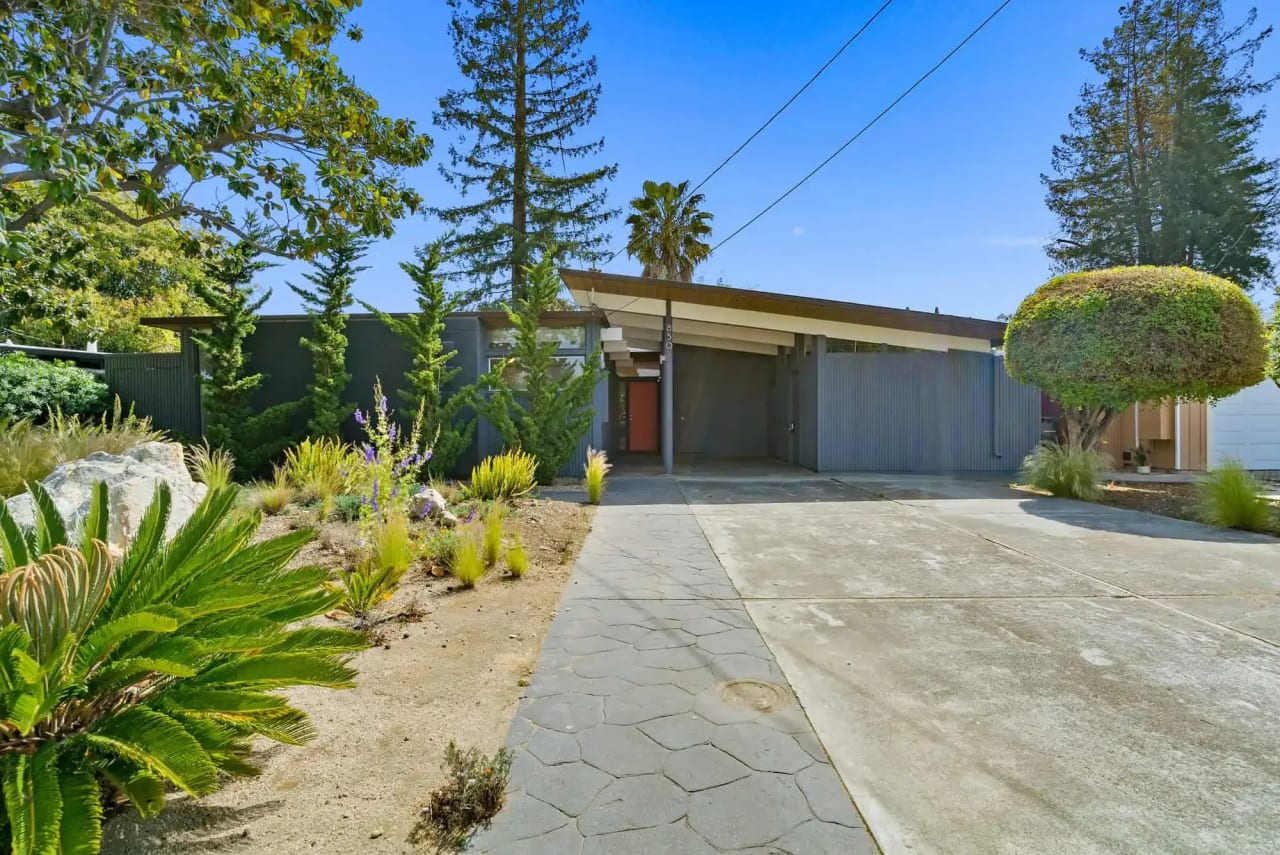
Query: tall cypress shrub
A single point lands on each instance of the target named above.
(538, 402)
(327, 302)
(226, 390)
(445, 427)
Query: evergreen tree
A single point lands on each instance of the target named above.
(226, 391)
(538, 403)
(444, 430)
(1160, 165)
(327, 303)
(530, 97)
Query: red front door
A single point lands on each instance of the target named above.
(642, 417)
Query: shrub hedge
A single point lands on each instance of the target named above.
(31, 388)
(1110, 338)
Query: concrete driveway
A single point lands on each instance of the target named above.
(995, 673)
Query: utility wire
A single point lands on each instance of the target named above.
(853, 38)
(867, 126)
(737, 151)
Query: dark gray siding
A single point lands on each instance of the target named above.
(374, 352)
(807, 400)
(161, 386)
(722, 400)
(923, 412)
(780, 409)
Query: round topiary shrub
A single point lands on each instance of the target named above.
(32, 388)
(1111, 338)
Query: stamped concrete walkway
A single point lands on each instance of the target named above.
(657, 720)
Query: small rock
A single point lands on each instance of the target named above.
(376, 834)
(522, 682)
(513, 636)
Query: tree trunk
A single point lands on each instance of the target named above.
(1082, 428)
(520, 165)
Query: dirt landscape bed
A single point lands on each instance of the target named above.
(448, 664)
(1179, 501)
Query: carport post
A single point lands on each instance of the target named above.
(668, 397)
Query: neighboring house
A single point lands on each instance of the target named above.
(1194, 437)
(704, 371)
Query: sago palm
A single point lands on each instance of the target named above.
(153, 669)
(668, 230)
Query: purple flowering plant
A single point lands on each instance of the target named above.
(392, 458)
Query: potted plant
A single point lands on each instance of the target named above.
(1141, 458)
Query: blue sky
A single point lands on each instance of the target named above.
(940, 205)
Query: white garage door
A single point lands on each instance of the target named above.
(1246, 427)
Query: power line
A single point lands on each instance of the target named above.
(853, 38)
(867, 126)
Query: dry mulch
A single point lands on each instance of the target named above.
(449, 664)
(1179, 501)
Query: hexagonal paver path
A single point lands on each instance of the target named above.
(657, 720)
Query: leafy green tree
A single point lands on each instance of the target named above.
(153, 98)
(227, 391)
(92, 277)
(1160, 164)
(444, 426)
(530, 96)
(1099, 341)
(538, 402)
(327, 303)
(668, 230)
(159, 670)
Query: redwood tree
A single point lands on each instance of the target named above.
(524, 162)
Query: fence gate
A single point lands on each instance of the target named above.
(161, 386)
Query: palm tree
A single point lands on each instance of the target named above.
(667, 231)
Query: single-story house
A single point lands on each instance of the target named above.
(706, 371)
(712, 371)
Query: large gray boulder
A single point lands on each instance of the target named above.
(131, 480)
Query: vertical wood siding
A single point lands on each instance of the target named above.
(923, 412)
(162, 386)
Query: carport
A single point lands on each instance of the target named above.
(712, 372)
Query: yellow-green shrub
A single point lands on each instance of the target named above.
(493, 533)
(322, 469)
(391, 543)
(1232, 498)
(468, 565)
(517, 559)
(1063, 471)
(272, 497)
(503, 476)
(213, 467)
(595, 470)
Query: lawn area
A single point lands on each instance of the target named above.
(446, 663)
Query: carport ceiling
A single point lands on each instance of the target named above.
(756, 321)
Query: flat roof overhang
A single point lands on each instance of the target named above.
(759, 321)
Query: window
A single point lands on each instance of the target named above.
(566, 338)
(511, 373)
